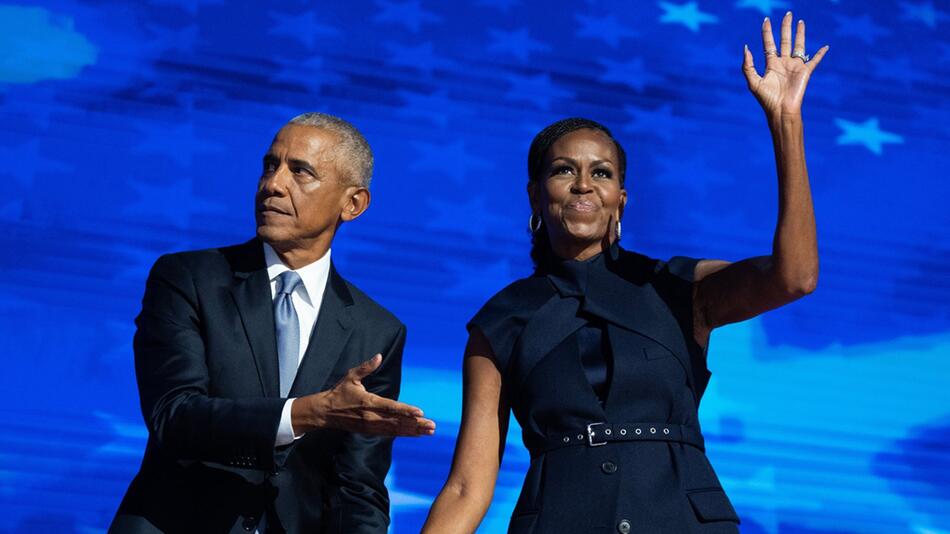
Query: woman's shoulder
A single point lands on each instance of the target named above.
(635, 264)
(502, 318)
(521, 296)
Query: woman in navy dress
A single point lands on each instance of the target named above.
(601, 353)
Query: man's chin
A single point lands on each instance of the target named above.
(270, 235)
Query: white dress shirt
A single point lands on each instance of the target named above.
(306, 298)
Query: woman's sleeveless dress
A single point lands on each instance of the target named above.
(614, 437)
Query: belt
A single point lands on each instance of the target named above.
(597, 434)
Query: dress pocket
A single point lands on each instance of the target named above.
(712, 505)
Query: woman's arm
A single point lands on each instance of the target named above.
(729, 292)
(464, 499)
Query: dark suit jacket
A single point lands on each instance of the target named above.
(206, 365)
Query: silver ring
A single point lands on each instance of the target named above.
(802, 56)
(771, 52)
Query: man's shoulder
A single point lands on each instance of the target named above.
(367, 309)
(247, 256)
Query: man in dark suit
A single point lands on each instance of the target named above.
(261, 416)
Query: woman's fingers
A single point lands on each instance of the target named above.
(768, 40)
(786, 43)
(816, 59)
(800, 38)
(748, 68)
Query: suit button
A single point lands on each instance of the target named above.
(623, 527)
(250, 522)
(608, 467)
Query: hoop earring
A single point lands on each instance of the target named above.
(618, 231)
(532, 227)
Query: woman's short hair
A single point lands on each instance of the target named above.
(541, 252)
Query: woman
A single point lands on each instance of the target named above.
(601, 353)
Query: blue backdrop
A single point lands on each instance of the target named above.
(132, 129)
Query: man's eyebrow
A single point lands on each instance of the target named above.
(303, 164)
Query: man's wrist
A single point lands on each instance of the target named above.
(306, 413)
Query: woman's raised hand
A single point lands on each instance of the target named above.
(781, 89)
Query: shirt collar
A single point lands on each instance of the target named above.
(314, 275)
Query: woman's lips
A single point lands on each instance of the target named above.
(581, 205)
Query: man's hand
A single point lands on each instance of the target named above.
(348, 406)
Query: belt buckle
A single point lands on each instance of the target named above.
(590, 435)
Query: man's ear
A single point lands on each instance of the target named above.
(357, 201)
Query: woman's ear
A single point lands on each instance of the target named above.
(623, 203)
(533, 197)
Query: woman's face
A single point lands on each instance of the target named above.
(579, 193)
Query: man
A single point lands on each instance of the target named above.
(237, 352)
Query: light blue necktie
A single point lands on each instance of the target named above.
(288, 329)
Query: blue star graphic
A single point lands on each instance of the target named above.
(924, 12)
(866, 133)
(311, 74)
(517, 43)
(607, 29)
(862, 27)
(452, 160)
(421, 57)
(410, 14)
(687, 14)
(659, 122)
(765, 6)
(174, 202)
(630, 72)
(436, 107)
(179, 142)
(503, 5)
(537, 90)
(303, 27)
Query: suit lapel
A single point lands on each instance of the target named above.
(328, 339)
(252, 297)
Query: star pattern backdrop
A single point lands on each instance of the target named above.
(129, 130)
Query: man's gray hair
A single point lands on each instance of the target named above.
(355, 154)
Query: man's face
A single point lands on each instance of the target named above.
(302, 191)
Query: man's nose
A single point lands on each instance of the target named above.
(275, 182)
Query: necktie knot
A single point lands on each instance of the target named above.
(287, 282)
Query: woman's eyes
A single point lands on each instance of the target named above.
(596, 173)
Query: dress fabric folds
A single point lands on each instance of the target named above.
(607, 343)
